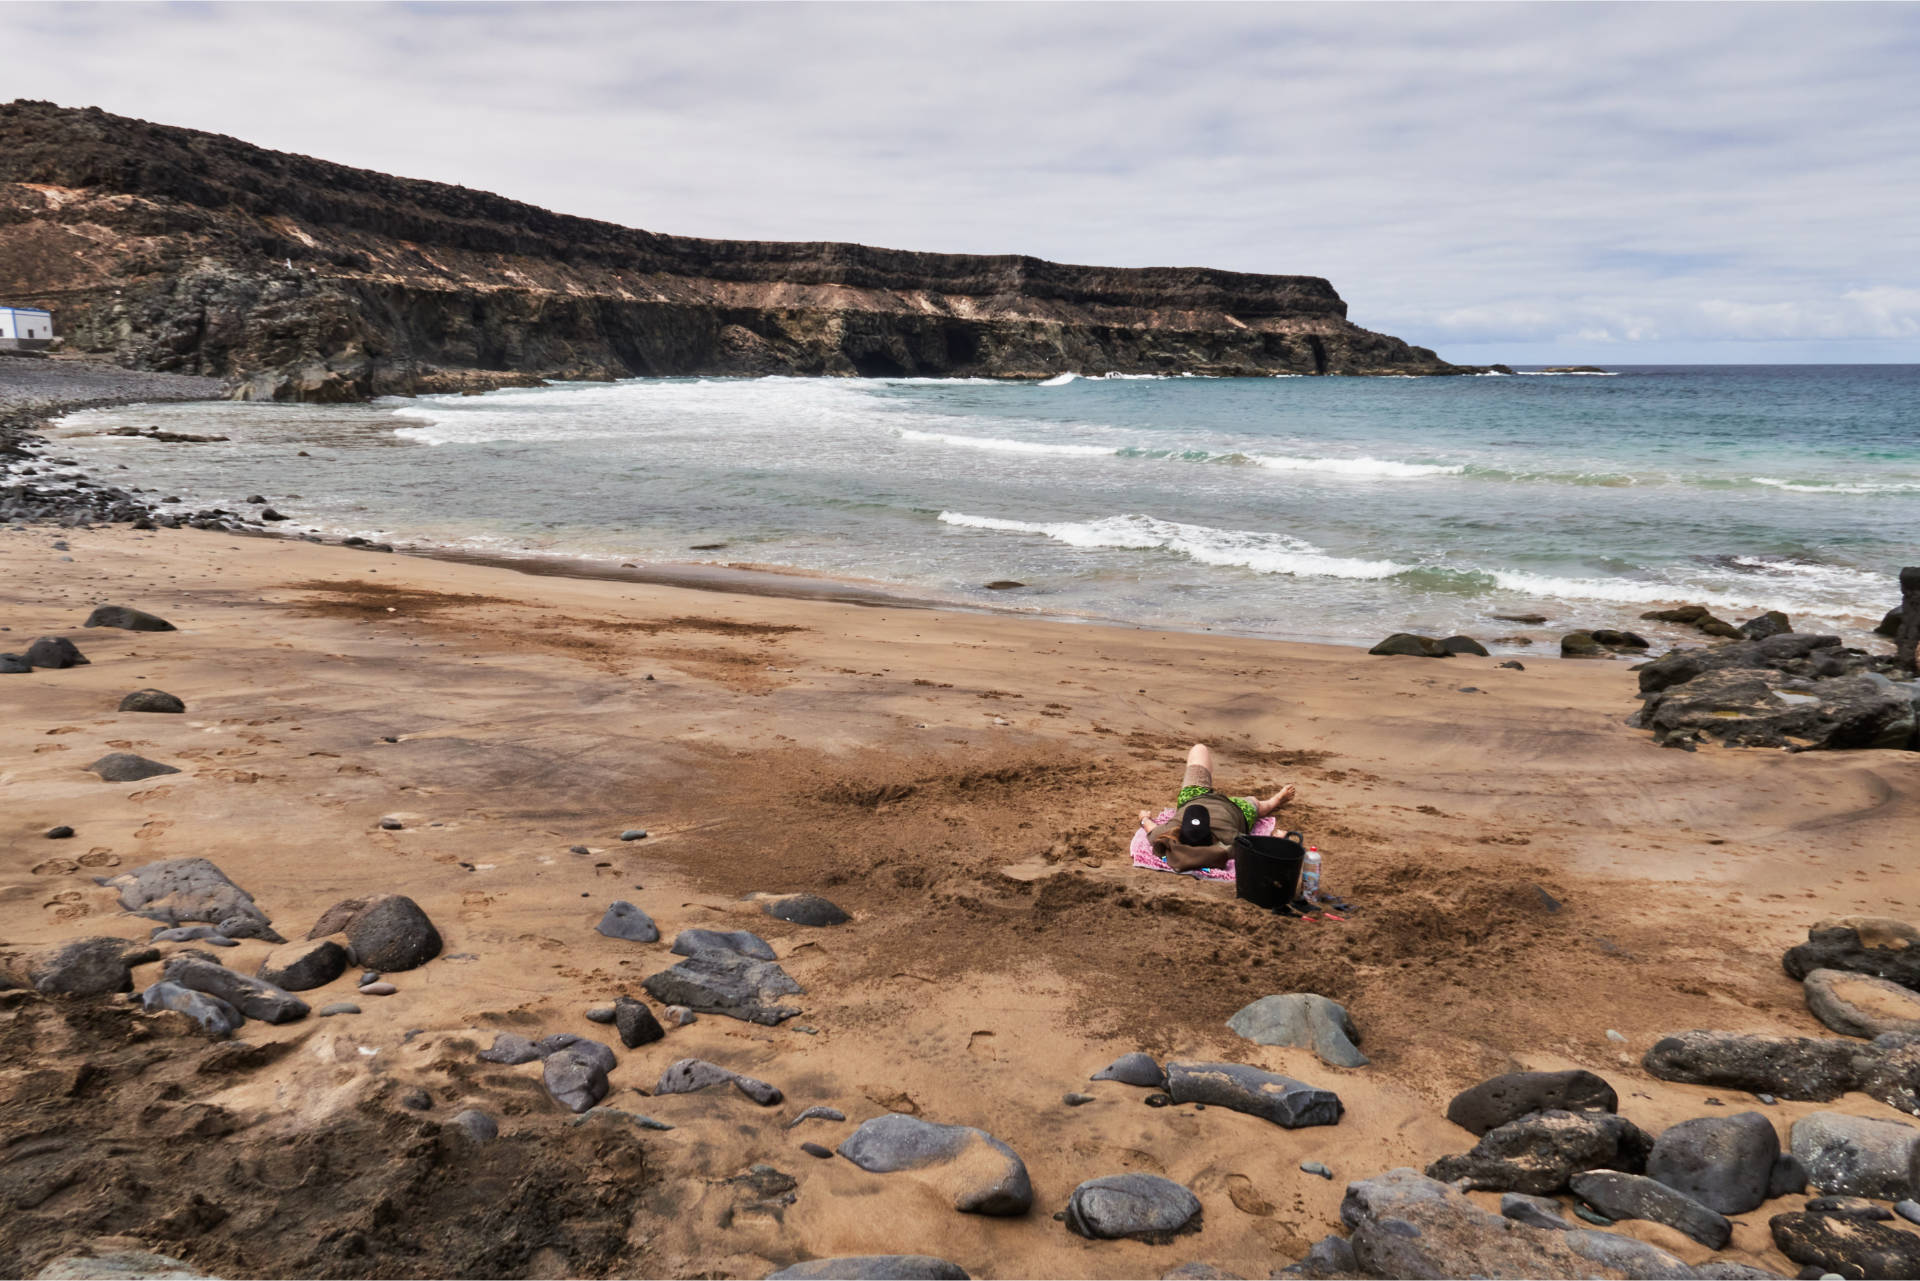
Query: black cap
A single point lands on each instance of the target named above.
(1196, 826)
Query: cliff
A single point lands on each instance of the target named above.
(296, 279)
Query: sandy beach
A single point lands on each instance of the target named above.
(1531, 878)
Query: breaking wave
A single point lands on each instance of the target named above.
(1263, 553)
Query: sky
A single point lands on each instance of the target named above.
(1530, 183)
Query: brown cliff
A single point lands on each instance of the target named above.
(170, 249)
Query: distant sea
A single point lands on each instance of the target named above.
(1336, 509)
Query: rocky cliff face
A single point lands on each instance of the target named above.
(296, 279)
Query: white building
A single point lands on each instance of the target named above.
(25, 328)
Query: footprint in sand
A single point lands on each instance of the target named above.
(149, 830)
(100, 858)
(152, 794)
(1245, 1199)
(51, 747)
(67, 906)
(55, 867)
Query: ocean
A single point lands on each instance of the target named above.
(1327, 509)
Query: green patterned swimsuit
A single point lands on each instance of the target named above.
(1188, 795)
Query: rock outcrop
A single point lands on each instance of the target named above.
(296, 279)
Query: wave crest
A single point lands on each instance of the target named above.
(1263, 553)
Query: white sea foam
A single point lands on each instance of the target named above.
(1837, 487)
(1002, 445)
(1382, 467)
(1060, 380)
(1263, 553)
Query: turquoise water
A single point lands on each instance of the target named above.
(1310, 508)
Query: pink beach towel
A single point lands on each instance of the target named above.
(1143, 855)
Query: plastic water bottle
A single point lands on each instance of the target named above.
(1310, 875)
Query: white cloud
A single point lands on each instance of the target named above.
(1659, 175)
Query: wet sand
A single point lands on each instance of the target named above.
(964, 785)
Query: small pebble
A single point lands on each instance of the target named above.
(390, 825)
(1592, 1216)
(1767, 1099)
(578, 849)
(1615, 1036)
(1073, 1100)
(814, 1149)
(1314, 1167)
(378, 989)
(818, 1113)
(600, 1014)
(59, 833)
(1713, 1102)
(388, 738)
(1908, 1210)
(634, 833)
(678, 1016)
(1158, 1100)
(339, 1007)
(805, 1030)
(417, 1099)
(369, 976)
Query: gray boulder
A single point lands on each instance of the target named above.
(635, 1023)
(207, 934)
(1771, 623)
(89, 967)
(180, 891)
(1860, 1004)
(592, 1051)
(253, 997)
(215, 1016)
(1279, 1099)
(1795, 654)
(1540, 1152)
(1498, 1100)
(510, 1049)
(1534, 1211)
(126, 767)
(873, 1267)
(727, 983)
(1876, 945)
(978, 1172)
(132, 620)
(476, 1125)
(14, 665)
(1744, 708)
(1789, 1067)
(1726, 1163)
(1412, 646)
(388, 931)
(1133, 1069)
(300, 967)
(54, 652)
(801, 909)
(1853, 1207)
(575, 1079)
(1789, 1177)
(1464, 645)
(1405, 1225)
(1582, 645)
(151, 700)
(1891, 1072)
(1143, 1206)
(1859, 1156)
(625, 921)
(1306, 1020)
(746, 943)
(1847, 1247)
(1634, 1196)
(688, 1076)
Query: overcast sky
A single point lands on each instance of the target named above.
(1616, 183)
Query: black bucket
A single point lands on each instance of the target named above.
(1267, 869)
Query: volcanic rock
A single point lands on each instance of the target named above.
(179, 891)
(1848, 1247)
(54, 652)
(801, 909)
(1501, 1099)
(1581, 645)
(1464, 645)
(253, 997)
(727, 983)
(1412, 646)
(388, 931)
(1279, 1099)
(1876, 945)
(1771, 623)
(1634, 1196)
(1861, 1005)
(981, 1174)
(635, 1023)
(690, 1075)
(1534, 1211)
(89, 967)
(1859, 1156)
(1726, 1163)
(1790, 1067)
(625, 921)
(575, 1080)
(151, 700)
(1540, 1152)
(125, 767)
(873, 1267)
(692, 942)
(1302, 1019)
(476, 1125)
(215, 1016)
(1143, 1206)
(510, 1048)
(1133, 1069)
(133, 620)
(300, 967)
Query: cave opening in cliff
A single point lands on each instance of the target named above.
(876, 364)
(1319, 353)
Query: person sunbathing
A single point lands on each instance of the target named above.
(1202, 831)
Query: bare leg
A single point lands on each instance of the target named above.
(1202, 756)
(1274, 802)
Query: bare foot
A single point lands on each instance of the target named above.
(1278, 799)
